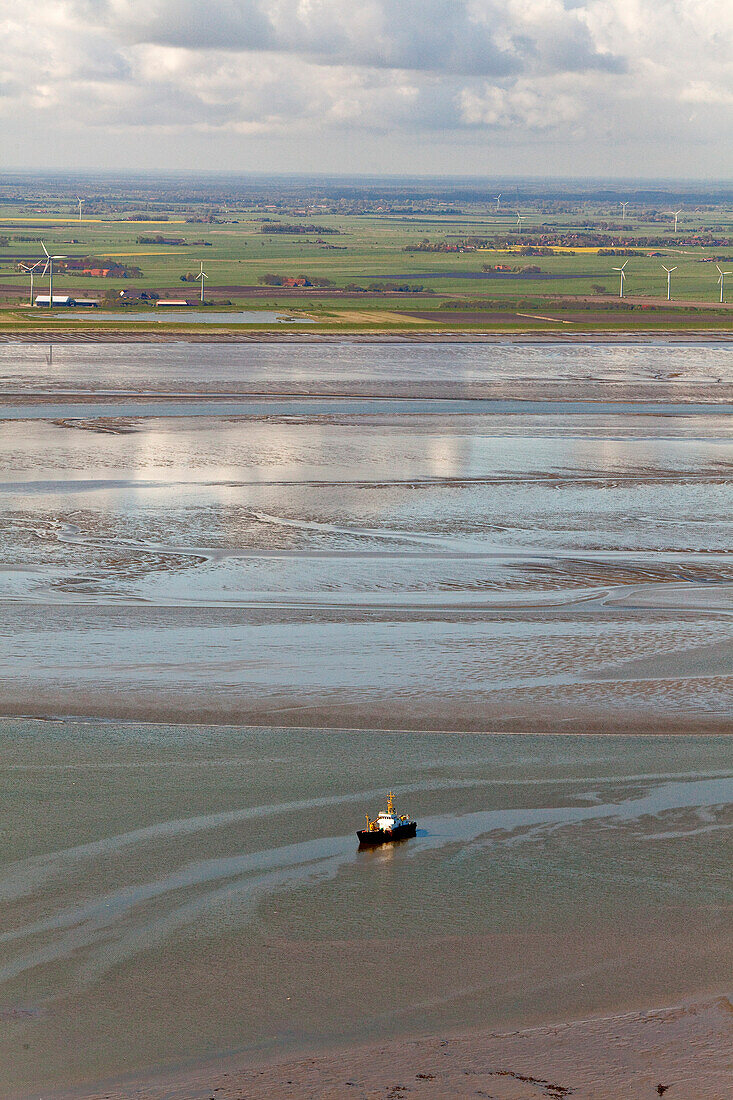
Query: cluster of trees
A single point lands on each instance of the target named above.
(158, 238)
(426, 245)
(294, 280)
(297, 229)
(352, 288)
(576, 305)
(93, 265)
(383, 288)
(516, 269)
(119, 298)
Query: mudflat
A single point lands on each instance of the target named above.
(173, 896)
(304, 560)
(684, 1051)
(417, 536)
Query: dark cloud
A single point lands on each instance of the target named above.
(456, 37)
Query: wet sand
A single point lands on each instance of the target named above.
(173, 896)
(414, 554)
(686, 1050)
(327, 551)
(538, 334)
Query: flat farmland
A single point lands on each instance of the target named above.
(469, 268)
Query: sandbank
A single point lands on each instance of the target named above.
(687, 1050)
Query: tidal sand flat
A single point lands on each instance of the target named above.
(182, 897)
(245, 592)
(471, 537)
(619, 1057)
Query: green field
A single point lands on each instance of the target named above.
(370, 248)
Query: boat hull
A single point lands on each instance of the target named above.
(370, 838)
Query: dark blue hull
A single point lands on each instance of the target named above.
(371, 837)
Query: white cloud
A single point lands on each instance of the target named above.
(608, 73)
(541, 105)
(707, 94)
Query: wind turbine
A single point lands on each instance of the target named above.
(202, 275)
(623, 210)
(669, 271)
(498, 200)
(81, 203)
(519, 222)
(721, 280)
(30, 270)
(49, 268)
(623, 277)
(676, 214)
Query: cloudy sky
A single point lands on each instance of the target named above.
(542, 87)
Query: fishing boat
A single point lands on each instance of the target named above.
(389, 825)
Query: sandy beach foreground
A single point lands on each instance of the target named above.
(686, 1051)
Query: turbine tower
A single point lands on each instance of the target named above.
(669, 271)
(49, 268)
(81, 203)
(623, 210)
(721, 281)
(30, 270)
(623, 277)
(202, 275)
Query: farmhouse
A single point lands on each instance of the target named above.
(66, 300)
(58, 300)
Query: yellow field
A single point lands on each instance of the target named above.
(90, 221)
(57, 221)
(379, 317)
